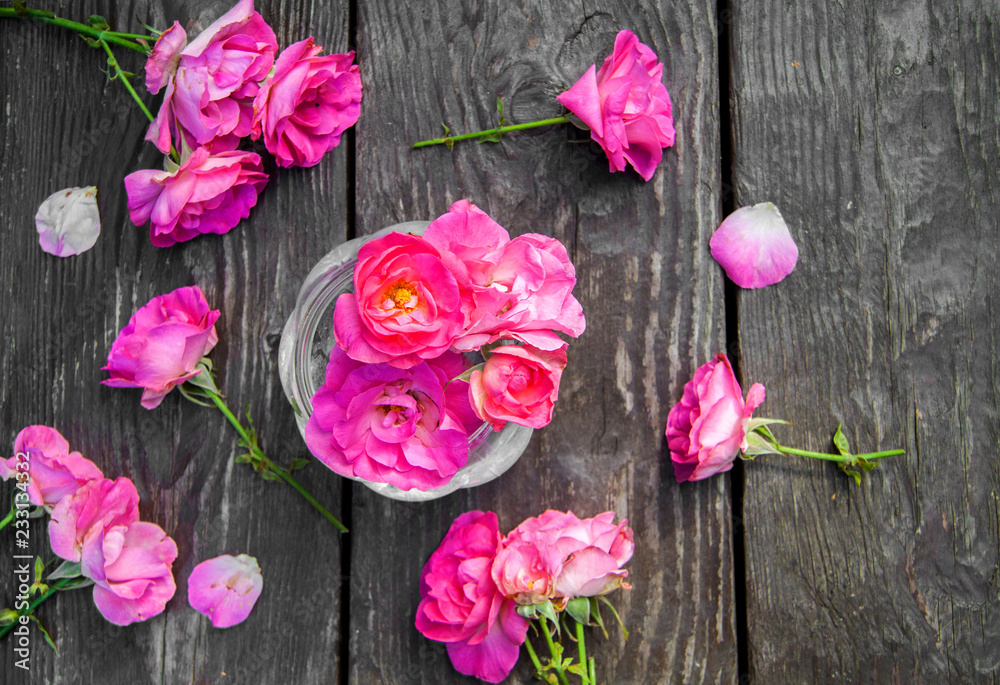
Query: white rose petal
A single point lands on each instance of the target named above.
(68, 222)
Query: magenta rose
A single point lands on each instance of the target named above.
(559, 556)
(210, 83)
(131, 569)
(390, 425)
(209, 193)
(461, 606)
(162, 344)
(520, 288)
(99, 504)
(406, 306)
(707, 429)
(518, 383)
(54, 472)
(626, 106)
(225, 588)
(304, 107)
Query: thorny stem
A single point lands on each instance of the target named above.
(84, 29)
(556, 659)
(124, 79)
(492, 132)
(871, 456)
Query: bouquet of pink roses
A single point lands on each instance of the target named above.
(400, 399)
(480, 591)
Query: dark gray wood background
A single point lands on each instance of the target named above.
(873, 126)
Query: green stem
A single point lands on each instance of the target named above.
(270, 465)
(582, 650)
(83, 29)
(871, 456)
(534, 657)
(134, 36)
(124, 79)
(38, 600)
(7, 519)
(492, 132)
(556, 660)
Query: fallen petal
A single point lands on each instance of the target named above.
(68, 222)
(754, 246)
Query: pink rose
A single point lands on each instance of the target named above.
(162, 344)
(100, 504)
(559, 556)
(406, 306)
(210, 93)
(626, 106)
(225, 588)
(209, 193)
(519, 288)
(518, 383)
(302, 110)
(53, 471)
(461, 606)
(131, 568)
(707, 429)
(390, 425)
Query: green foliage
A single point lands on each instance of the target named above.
(45, 633)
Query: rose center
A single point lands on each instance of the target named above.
(400, 296)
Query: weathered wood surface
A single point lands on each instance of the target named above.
(652, 296)
(874, 127)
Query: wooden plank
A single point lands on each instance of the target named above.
(652, 296)
(874, 128)
(66, 125)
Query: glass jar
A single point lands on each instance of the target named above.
(305, 350)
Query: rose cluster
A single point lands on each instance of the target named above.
(396, 406)
(227, 85)
(478, 586)
(95, 523)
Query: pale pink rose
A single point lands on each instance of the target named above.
(626, 106)
(99, 504)
(707, 429)
(130, 565)
(390, 425)
(754, 246)
(162, 344)
(461, 606)
(520, 288)
(162, 61)
(209, 193)
(225, 588)
(53, 471)
(518, 383)
(302, 110)
(559, 556)
(210, 95)
(406, 306)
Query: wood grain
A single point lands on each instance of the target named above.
(67, 125)
(874, 127)
(651, 295)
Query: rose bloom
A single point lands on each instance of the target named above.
(406, 306)
(210, 83)
(559, 556)
(225, 588)
(162, 344)
(302, 110)
(520, 288)
(518, 383)
(390, 425)
(53, 471)
(97, 505)
(626, 106)
(208, 193)
(131, 569)
(461, 606)
(707, 429)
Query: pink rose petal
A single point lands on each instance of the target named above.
(225, 588)
(68, 222)
(754, 247)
